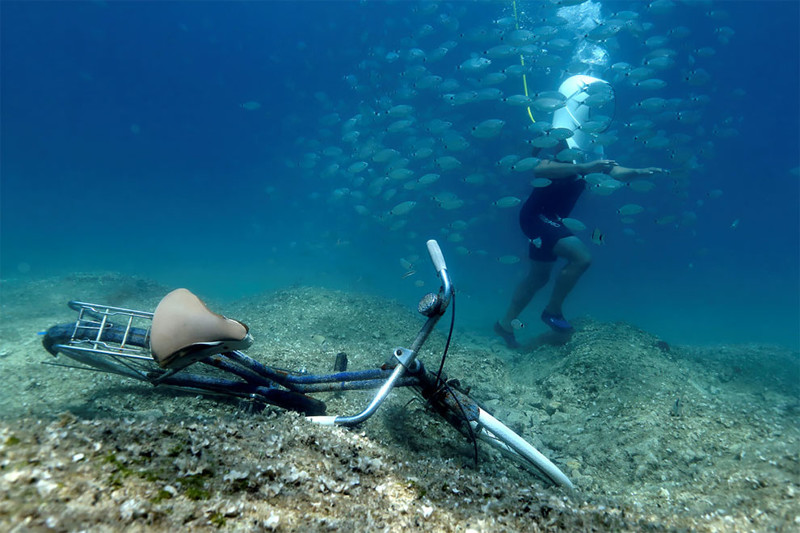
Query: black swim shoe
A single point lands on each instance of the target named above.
(508, 336)
(556, 322)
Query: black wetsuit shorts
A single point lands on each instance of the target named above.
(543, 233)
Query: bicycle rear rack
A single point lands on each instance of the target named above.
(113, 338)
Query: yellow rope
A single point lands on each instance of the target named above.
(522, 61)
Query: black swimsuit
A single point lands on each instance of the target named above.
(541, 214)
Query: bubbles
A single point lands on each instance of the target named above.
(584, 18)
(591, 54)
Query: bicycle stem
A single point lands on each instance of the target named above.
(406, 357)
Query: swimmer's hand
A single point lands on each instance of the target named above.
(603, 166)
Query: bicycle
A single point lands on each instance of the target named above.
(182, 333)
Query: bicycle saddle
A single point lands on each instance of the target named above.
(184, 331)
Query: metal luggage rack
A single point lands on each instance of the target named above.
(101, 318)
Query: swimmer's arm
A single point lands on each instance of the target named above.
(627, 174)
(554, 170)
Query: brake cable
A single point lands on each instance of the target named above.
(442, 384)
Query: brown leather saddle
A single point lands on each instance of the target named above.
(185, 331)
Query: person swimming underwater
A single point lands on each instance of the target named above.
(542, 214)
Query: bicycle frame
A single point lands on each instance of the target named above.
(116, 340)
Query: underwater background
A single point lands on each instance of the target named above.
(209, 145)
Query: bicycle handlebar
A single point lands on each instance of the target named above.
(436, 256)
(406, 358)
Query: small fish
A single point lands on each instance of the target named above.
(402, 208)
(408, 274)
(596, 126)
(447, 162)
(399, 125)
(521, 37)
(500, 51)
(607, 187)
(251, 105)
(475, 64)
(569, 155)
(519, 100)
(493, 78)
(598, 237)
(548, 104)
(523, 165)
(540, 182)
(561, 134)
(651, 104)
(508, 161)
(545, 141)
(385, 155)
(319, 339)
(454, 142)
(660, 62)
(651, 84)
(677, 408)
(506, 202)
(428, 82)
(630, 209)
(422, 153)
(508, 259)
(451, 203)
(573, 224)
(735, 224)
(705, 51)
(488, 128)
(427, 179)
(598, 100)
(402, 110)
(357, 167)
(400, 174)
(517, 324)
(666, 219)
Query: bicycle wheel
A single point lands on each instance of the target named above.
(102, 350)
(490, 430)
(457, 408)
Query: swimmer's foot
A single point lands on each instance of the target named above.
(507, 336)
(557, 322)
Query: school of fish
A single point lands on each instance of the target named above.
(435, 136)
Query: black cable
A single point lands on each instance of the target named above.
(449, 335)
(441, 384)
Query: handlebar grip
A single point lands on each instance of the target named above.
(436, 255)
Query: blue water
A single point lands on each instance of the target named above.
(125, 147)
